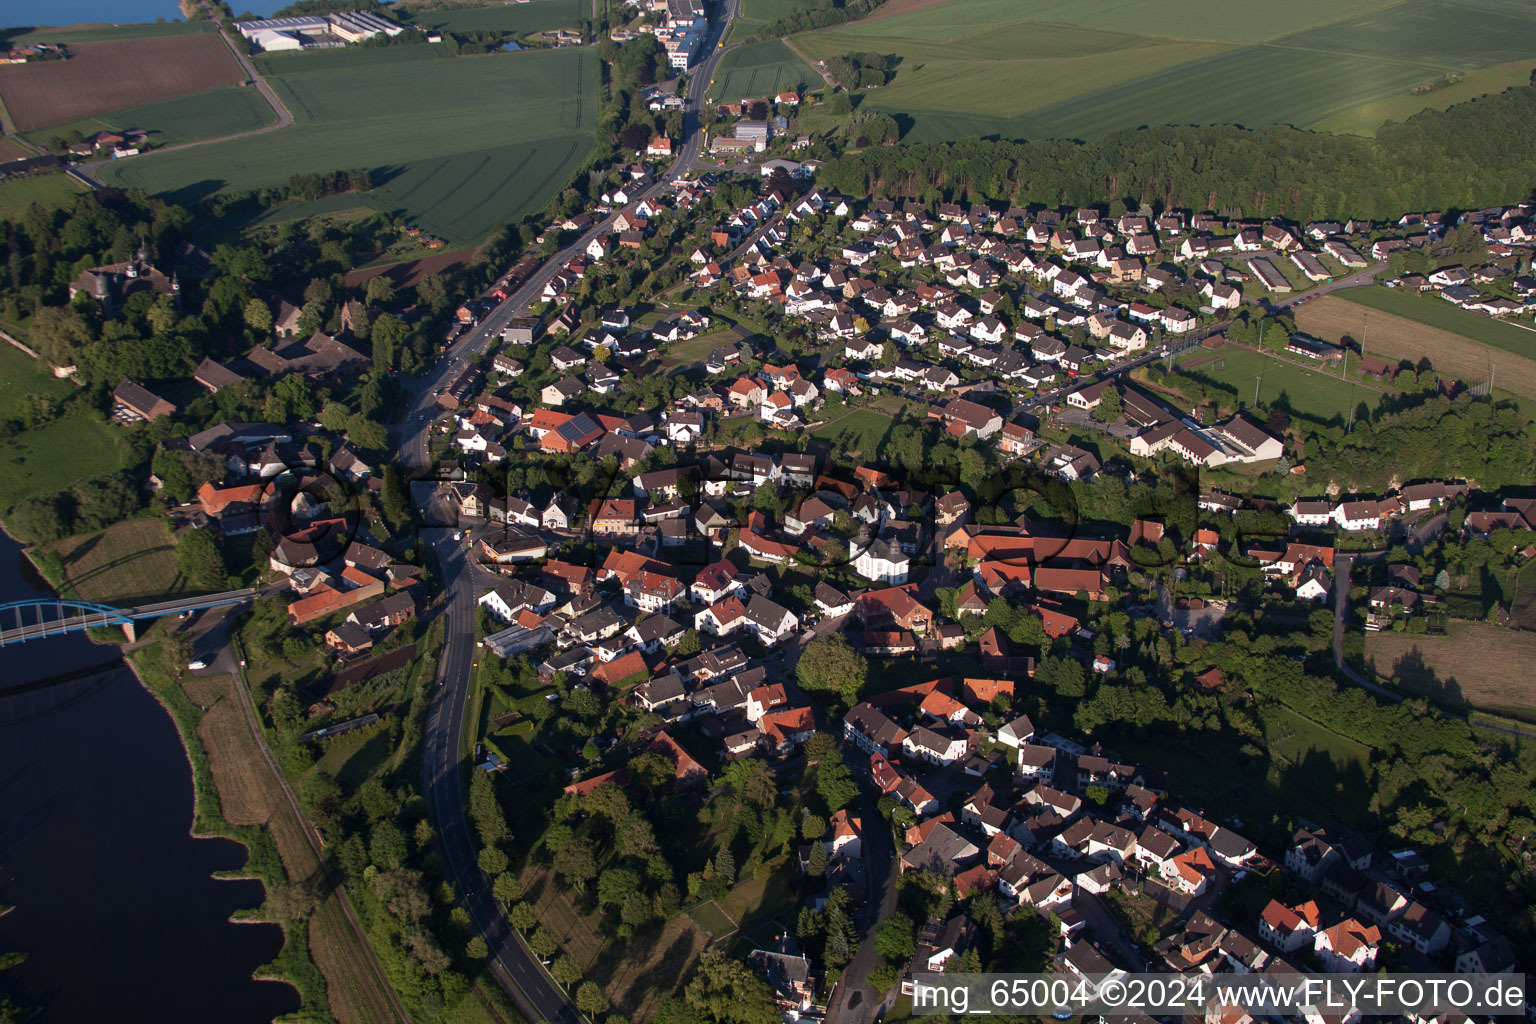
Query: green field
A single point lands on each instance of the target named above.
(20, 374)
(204, 115)
(125, 563)
(1365, 120)
(47, 189)
(1294, 738)
(858, 431)
(758, 71)
(1050, 68)
(30, 464)
(1436, 312)
(457, 145)
(518, 18)
(1310, 392)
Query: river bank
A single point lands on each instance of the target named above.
(99, 863)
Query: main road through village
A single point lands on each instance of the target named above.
(518, 970)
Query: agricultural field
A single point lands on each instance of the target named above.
(1434, 311)
(1050, 68)
(71, 35)
(123, 564)
(760, 70)
(101, 75)
(213, 114)
(1476, 665)
(1308, 391)
(1395, 338)
(518, 18)
(456, 145)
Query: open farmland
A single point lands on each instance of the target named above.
(760, 70)
(1436, 312)
(1396, 338)
(101, 77)
(456, 145)
(518, 18)
(1053, 68)
(1476, 664)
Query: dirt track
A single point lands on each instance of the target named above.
(102, 77)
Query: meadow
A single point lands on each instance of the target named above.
(30, 463)
(1308, 391)
(518, 18)
(205, 115)
(760, 70)
(456, 145)
(45, 190)
(1059, 69)
(125, 563)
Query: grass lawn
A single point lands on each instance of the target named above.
(855, 432)
(457, 145)
(17, 196)
(126, 562)
(352, 758)
(30, 463)
(712, 919)
(1294, 738)
(759, 70)
(1050, 68)
(696, 350)
(1308, 391)
(20, 375)
(518, 18)
(1436, 312)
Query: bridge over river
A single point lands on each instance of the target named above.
(21, 621)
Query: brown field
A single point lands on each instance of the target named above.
(410, 273)
(103, 77)
(1476, 665)
(635, 972)
(1394, 337)
(12, 150)
(250, 794)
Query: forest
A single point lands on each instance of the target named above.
(1471, 155)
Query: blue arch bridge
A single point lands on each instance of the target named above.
(33, 620)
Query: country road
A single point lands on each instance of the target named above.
(516, 967)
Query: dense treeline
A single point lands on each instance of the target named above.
(1474, 154)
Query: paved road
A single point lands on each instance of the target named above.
(854, 1001)
(516, 967)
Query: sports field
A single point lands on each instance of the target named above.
(1393, 337)
(1308, 391)
(45, 190)
(457, 145)
(103, 76)
(1058, 68)
(759, 70)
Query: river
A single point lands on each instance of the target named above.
(115, 904)
(110, 12)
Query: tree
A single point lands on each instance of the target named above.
(542, 942)
(506, 888)
(590, 999)
(199, 559)
(1109, 408)
(565, 971)
(523, 916)
(829, 664)
(895, 938)
(380, 291)
(258, 316)
(726, 991)
(476, 949)
(816, 866)
(493, 861)
(41, 519)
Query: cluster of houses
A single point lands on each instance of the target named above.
(1507, 232)
(678, 25)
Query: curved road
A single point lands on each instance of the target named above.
(518, 970)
